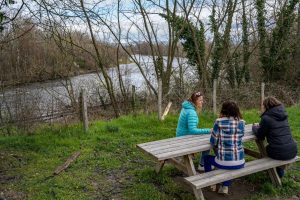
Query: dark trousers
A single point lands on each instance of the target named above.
(210, 160)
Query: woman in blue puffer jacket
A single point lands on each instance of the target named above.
(188, 121)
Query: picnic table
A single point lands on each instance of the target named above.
(179, 151)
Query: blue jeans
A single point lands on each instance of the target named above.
(203, 154)
(210, 160)
(280, 172)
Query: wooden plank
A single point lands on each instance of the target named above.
(191, 171)
(255, 166)
(176, 146)
(175, 142)
(151, 148)
(180, 166)
(189, 164)
(166, 111)
(183, 147)
(165, 141)
(272, 172)
(182, 141)
(159, 166)
(221, 171)
(147, 152)
(182, 152)
(248, 131)
(276, 180)
(191, 150)
(247, 138)
(254, 154)
(198, 194)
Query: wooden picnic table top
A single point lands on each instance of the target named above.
(184, 145)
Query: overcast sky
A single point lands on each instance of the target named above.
(131, 23)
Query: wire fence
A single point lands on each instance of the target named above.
(24, 109)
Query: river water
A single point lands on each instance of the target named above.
(42, 99)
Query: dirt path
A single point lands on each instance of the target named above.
(240, 189)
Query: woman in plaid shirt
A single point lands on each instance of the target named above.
(226, 137)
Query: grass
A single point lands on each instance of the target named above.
(110, 166)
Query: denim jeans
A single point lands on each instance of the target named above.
(210, 160)
(203, 154)
(280, 172)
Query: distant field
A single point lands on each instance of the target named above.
(110, 166)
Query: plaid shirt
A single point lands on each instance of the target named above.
(227, 136)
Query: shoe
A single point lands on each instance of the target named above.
(223, 190)
(213, 188)
(201, 167)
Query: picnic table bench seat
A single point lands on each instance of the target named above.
(220, 175)
(169, 150)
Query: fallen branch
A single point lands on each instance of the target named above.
(67, 163)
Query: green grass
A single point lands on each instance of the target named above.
(110, 166)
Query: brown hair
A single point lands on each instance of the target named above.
(231, 109)
(271, 102)
(195, 96)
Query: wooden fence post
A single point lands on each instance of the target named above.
(215, 96)
(159, 99)
(166, 110)
(133, 98)
(262, 96)
(83, 110)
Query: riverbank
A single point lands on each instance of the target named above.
(111, 167)
(14, 84)
(47, 77)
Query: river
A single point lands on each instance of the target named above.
(43, 98)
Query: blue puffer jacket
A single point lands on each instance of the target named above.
(188, 121)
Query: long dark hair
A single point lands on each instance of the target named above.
(271, 102)
(231, 109)
(195, 96)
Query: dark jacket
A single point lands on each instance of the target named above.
(274, 126)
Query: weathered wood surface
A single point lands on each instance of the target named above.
(178, 164)
(83, 110)
(252, 153)
(180, 146)
(217, 176)
(166, 111)
(272, 172)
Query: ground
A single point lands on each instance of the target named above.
(112, 186)
(111, 167)
(240, 189)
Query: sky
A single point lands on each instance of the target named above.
(132, 27)
(131, 23)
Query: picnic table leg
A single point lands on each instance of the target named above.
(272, 172)
(178, 163)
(188, 160)
(159, 166)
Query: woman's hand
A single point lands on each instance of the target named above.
(255, 127)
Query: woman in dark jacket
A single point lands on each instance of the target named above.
(274, 126)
